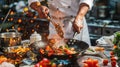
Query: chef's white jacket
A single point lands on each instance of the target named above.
(67, 9)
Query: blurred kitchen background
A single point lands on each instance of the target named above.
(103, 19)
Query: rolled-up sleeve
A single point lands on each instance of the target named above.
(31, 1)
(88, 2)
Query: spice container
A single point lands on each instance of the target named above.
(35, 37)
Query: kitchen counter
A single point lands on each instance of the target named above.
(77, 63)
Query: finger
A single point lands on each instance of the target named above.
(81, 26)
(44, 13)
(46, 16)
(40, 15)
(74, 28)
(47, 11)
(78, 30)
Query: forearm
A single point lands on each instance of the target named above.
(35, 5)
(83, 9)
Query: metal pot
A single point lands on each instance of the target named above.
(10, 38)
(102, 12)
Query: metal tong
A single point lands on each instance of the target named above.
(57, 27)
(75, 33)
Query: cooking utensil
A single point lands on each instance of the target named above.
(79, 46)
(35, 46)
(10, 38)
(57, 27)
(75, 33)
(5, 19)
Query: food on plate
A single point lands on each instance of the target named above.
(18, 49)
(99, 49)
(2, 59)
(89, 62)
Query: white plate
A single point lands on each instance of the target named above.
(81, 60)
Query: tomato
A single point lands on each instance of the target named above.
(41, 62)
(95, 61)
(48, 48)
(42, 51)
(115, 46)
(89, 62)
(45, 60)
(37, 65)
(113, 59)
(68, 52)
(85, 65)
(113, 63)
(97, 65)
(1, 61)
(111, 53)
(105, 62)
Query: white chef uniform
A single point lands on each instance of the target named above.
(67, 9)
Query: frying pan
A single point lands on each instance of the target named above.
(79, 46)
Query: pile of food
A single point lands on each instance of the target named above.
(63, 50)
(89, 62)
(14, 54)
(32, 54)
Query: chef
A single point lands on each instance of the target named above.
(69, 14)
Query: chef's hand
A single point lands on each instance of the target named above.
(77, 24)
(42, 10)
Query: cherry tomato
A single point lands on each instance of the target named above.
(111, 53)
(113, 59)
(105, 62)
(113, 63)
(115, 46)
